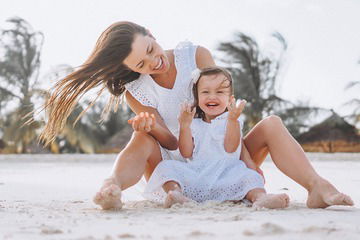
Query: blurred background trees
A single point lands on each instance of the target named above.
(256, 73)
(20, 62)
(355, 103)
(19, 74)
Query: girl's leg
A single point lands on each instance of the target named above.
(174, 194)
(140, 156)
(260, 199)
(271, 136)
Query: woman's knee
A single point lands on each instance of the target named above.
(271, 123)
(143, 138)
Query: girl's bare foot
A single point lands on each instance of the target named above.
(173, 197)
(324, 194)
(109, 196)
(272, 201)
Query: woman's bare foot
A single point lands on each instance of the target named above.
(109, 196)
(324, 194)
(272, 201)
(173, 197)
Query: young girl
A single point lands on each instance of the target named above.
(212, 141)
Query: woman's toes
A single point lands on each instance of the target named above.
(97, 198)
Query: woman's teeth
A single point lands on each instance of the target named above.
(159, 65)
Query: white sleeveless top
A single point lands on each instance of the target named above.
(167, 101)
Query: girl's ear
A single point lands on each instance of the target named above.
(149, 33)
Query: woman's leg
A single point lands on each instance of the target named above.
(271, 136)
(140, 156)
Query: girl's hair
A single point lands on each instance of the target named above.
(209, 71)
(104, 66)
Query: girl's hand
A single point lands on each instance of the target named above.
(235, 110)
(143, 122)
(186, 114)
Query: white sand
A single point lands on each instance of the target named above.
(49, 197)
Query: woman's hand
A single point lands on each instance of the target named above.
(143, 122)
(250, 164)
(235, 108)
(261, 173)
(186, 114)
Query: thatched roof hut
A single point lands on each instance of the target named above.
(334, 134)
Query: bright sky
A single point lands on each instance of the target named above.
(323, 35)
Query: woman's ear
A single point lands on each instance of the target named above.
(149, 34)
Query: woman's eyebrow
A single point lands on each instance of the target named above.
(147, 50)
(137, 65)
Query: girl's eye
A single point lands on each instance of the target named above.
(150, 51)
(204, 92)
(220, 92)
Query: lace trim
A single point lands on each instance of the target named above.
(141, 91)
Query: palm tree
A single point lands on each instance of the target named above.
(255, 74)
(19, 71)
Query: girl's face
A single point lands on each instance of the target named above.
(146, 56)
(214, 95)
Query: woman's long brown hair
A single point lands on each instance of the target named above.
(104, 66)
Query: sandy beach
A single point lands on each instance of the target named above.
(49, 197)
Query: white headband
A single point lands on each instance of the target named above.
(195, 75)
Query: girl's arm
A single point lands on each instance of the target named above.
(233, 133)
(186, 142)
(149, 120)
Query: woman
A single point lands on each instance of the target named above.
(128, 60)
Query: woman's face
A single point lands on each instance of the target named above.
(146, 56)
(214, 95)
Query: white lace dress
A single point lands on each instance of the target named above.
(212, 173)
(167, 101)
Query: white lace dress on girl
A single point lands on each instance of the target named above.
(212, 173)
(167, 101)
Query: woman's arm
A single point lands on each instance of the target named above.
(245, 156)
(204, 58)
(159, 130)
(186, 142)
